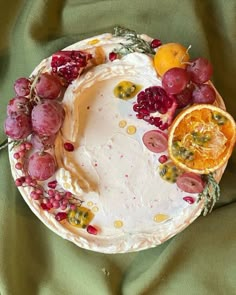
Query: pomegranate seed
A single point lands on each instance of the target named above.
(51, 192)
(189, 200)
(34, 195)
(155, 43)
(68, 195)
(44, 206)
(92, 230)
(52, 184)
(162, 159)
(56, 204)
(68, 147)
(61, 216)
(113, 56)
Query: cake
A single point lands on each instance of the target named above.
(109, 185)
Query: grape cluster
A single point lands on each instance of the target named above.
(189, 85)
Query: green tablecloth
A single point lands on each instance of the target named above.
(34, 260)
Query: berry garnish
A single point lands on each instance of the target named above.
(155, 106)
(69, 64)
(48, 86)
(113, 56)
(155, 43)
(69, 147)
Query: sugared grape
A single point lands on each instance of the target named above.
(22, 86)
(43, 142)
(175, 80)
(18, 104)
(184, 98)
(48, 86)
(41, 166)
(18, 126)
(204, 93)
(200, 70)
(47, 117)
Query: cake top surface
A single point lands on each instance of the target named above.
(109, 184)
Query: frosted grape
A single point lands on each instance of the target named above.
(22, 86)
(48, 86)
(47, 117)
(19, 104)
(41, 166)
(17, 126)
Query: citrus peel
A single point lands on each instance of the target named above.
(201, 138)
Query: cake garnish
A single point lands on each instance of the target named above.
(135, 43)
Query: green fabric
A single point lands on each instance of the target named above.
(34, 260)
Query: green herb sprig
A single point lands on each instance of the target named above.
(135, 42)
(210, 194)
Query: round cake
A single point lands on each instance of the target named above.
(94, 164)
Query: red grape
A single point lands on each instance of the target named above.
(19, 104)
(184, 98)
(22, 86)
(41, 166)
(204, 93)
(48, 86)
(200, 70)
(18, 126)
(42, 143)
(47, 117)
(190, 183)
(175, 80)
(155, 141)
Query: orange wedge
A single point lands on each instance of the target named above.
(201, 138)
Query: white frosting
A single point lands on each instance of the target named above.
(110, 170)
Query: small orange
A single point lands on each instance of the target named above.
(170, 55)
(201, 138)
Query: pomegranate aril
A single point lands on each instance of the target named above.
(69, 147)
(61, 216)
(162, 159)
(52, 184)
(45, 206)
(113, 56)
(92, 230)
(189, 200)
(155, 43)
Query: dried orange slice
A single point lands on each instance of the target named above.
(201, 138)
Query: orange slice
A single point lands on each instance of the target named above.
(201, 138)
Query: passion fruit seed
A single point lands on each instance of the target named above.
(169, 172)
(126, 90)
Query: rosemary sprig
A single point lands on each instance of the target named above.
(135, 42)
(210, 194)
